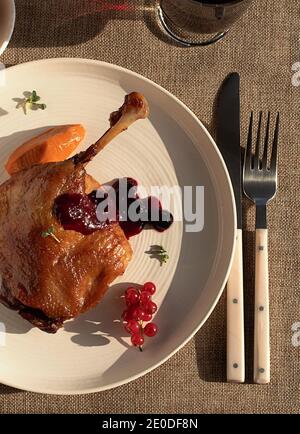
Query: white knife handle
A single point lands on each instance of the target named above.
(261, 315)
(235, 316)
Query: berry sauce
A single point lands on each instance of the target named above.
(77, 211)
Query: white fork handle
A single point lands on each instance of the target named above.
(261, 315)
(235, 316)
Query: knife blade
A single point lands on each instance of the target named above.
(228, 135)
(228, 140)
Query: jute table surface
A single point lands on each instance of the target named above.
(262, 47)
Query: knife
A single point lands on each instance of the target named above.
(228, 140)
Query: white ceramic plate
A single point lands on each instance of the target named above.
(7, 22)
(171, 148)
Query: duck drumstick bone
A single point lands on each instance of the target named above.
(135, 107)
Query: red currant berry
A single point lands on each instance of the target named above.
(146, 316)
(149, 287)
(132, 327)
(151, 329)
(150, 307)
(125, 315)
(137, 340)
(137, 313)
(128, 314)
(145, 297)
(131, 296)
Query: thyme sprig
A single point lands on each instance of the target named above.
(158, 252)
(50, 233)
(31, 101)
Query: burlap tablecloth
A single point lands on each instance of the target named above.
(262, 46)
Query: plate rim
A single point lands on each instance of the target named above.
(232, 204)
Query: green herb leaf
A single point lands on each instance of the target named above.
(31, 100)
(34, 96)
(158, 252)
(50, 233)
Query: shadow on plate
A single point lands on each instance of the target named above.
(3, 112)
(13, 322)
(71, 22)
(94, 328)
(98, 326)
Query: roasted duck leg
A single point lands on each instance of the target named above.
(49, 280)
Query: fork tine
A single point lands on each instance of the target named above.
(248, 152)
(265, 155)
(256, 155)
(273, 165)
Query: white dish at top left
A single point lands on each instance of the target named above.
(7, 22)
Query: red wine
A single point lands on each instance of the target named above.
(202, 16)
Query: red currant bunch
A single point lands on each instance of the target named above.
(140, 309)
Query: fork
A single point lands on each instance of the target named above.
(260, 185)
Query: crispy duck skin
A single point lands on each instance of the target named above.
(49, 282)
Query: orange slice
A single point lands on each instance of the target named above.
(55, 144)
